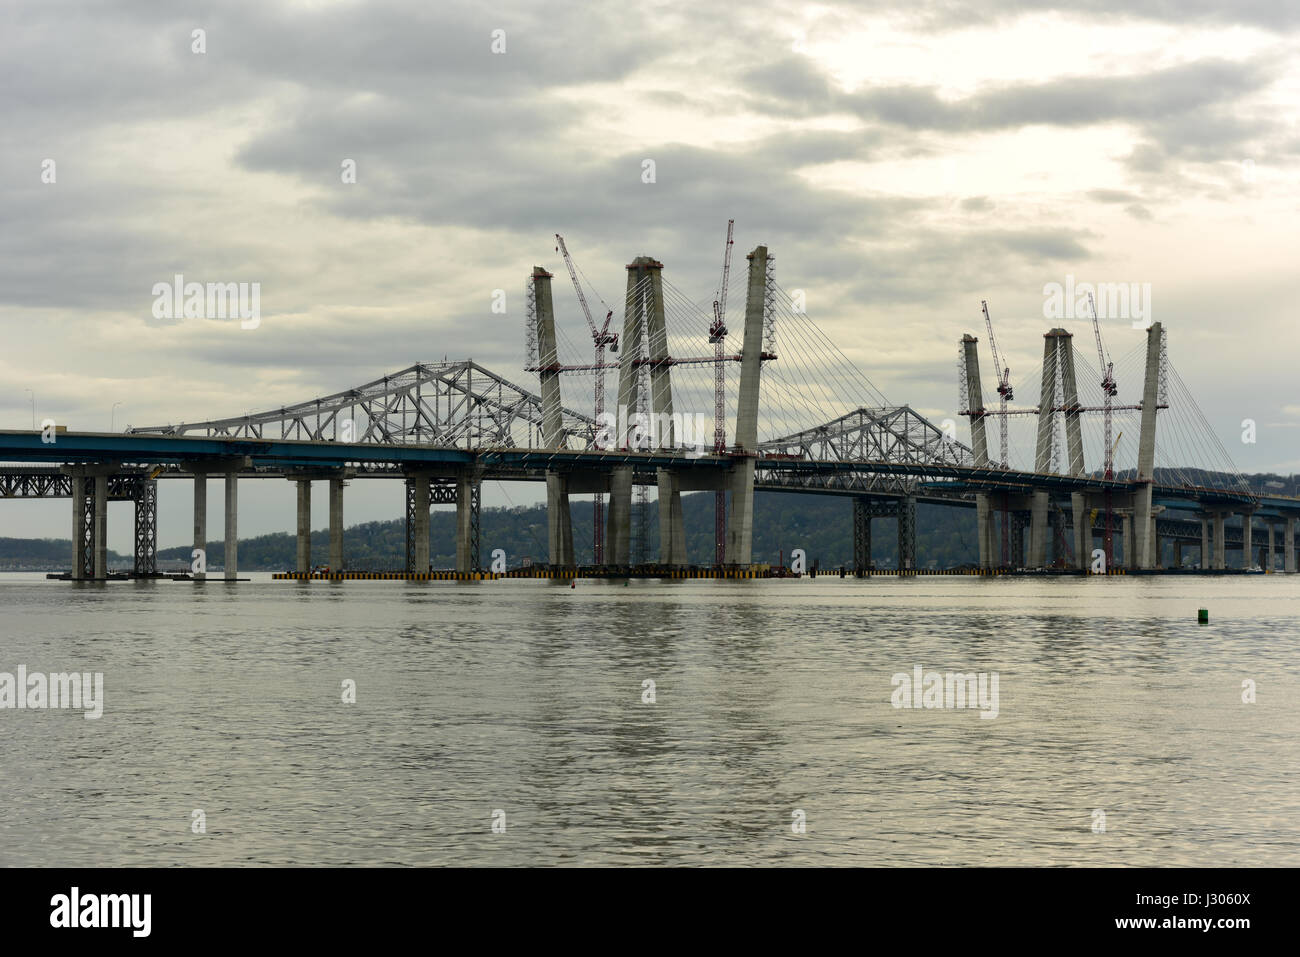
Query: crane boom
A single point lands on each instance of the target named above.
(1005, 390)
(577, 286)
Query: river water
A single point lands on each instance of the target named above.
(1121, 736)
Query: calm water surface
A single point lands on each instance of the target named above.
(771, 697)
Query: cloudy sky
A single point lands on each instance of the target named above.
(902, 160)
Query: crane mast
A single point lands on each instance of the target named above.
(1005, 394)
(601, 338)
(1109, 390)
(718, 336)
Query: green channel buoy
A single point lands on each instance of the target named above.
(1203, 616)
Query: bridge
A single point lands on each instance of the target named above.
(798, 418)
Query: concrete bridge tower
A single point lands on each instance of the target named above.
(1143, 521)
(740, 522)
(979, 445)
(645, 341)
(559, 524)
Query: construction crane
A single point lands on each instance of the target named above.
(600, 338)
(1109, 391)
(1005, 393)
(718, 336)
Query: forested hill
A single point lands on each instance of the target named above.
(819, 524)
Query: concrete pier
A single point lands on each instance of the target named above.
(89, 488)
(464, 522)
(618, 531)
(232, 525)
(304, 525)
(1288, 546)
(200, 520)
(420, 529)
(336, 524)
(99, 533)
(1219, 557)
(81, 559)
(1038, 530)
(1246, 544)
(1082, 530)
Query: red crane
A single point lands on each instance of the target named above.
(601, 338)
(718, 336)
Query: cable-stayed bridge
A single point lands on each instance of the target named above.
(775, 406)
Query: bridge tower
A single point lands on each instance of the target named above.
(558, 519)
(979, 444)
(1143, 533)
(1059, 395)
(644, 343)
(740, 523)
(672, 531)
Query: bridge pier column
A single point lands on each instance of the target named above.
(303, 564)
(466, 526)
(1178, 554)
(89, 520)
(336, 524)
(1038, 530)
(1017, 522)
(907, 532)
(1247, 559)
(672, 529)
(200, 520)
(559, 521)
(1126, 533)
(984, 529)
(1143, 555)
(1288, 546)
(1220, 547)
(1205, 543)
(94, 526)
(232, 525)
(1268, 564)
(740, 520)
(101, 526)
(618, 536)
(1082, 530)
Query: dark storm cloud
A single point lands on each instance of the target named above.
(940, 15)
(1161, 97)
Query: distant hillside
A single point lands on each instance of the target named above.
(43, 554)
(819, 524)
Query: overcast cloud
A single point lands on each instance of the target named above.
(902, 160)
